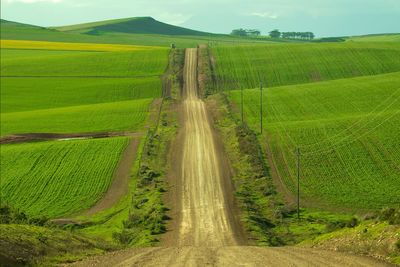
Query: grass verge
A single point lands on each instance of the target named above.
(147, 214)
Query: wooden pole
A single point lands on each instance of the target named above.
(241, 109)
(261, 108)
(298, 183)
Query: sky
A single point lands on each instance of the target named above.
(323, 17)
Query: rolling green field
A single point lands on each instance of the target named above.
(25, 94)
(78, 91)
(276, 65)
(108, 117)
(347, 132)
(71, 88)
(60, 177)
(101, 64)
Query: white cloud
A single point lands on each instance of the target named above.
(265, 15)
(33, 1)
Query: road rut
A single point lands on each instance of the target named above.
(204, 218)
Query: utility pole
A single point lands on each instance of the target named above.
(261, 107)
(241, 109)
(298, 183)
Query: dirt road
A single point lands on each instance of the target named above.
(204, 212)
(207, 232)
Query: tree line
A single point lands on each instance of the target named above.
(292, 35)
(274, 34)
(246, 32)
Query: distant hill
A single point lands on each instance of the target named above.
(119, 31)
(85, 33)
(385, 37)
(8, 23)
(17, 31)
(138, 25)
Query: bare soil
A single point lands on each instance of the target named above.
(229, 256)
(204, 210)
(29, 137)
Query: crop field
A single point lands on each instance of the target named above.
(347, 132)
(97, 64)
(60, 177)
(277, 65)
(25, 94)
(56, 91)
(41, 45)
(71, 88)
(108, 117)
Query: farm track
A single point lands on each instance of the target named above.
(29, 137)
(205, 213)
(207, 233)
(120, 182)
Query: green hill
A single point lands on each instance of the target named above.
(139, 25)
(133, 31)
(15, 30)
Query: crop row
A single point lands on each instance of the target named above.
(114, 116)
(41, 45)
(24, 94)
(60, 177)
(347, 132)
(277, 65)
(133, 63)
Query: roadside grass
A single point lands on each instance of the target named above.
(346, 131)
(276, 65)
(373, 238)
(29, 245)
(28, 94)
(115, 117)
(148, 213)
(27, 44)
(58, 178)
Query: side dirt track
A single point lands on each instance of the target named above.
(29, 137)
(206, 231)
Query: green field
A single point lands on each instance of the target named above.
(25, 94)
(108, 64)
(107, 117)
(347, 131)
(276, 65)
(78, 91)
(60, 177)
